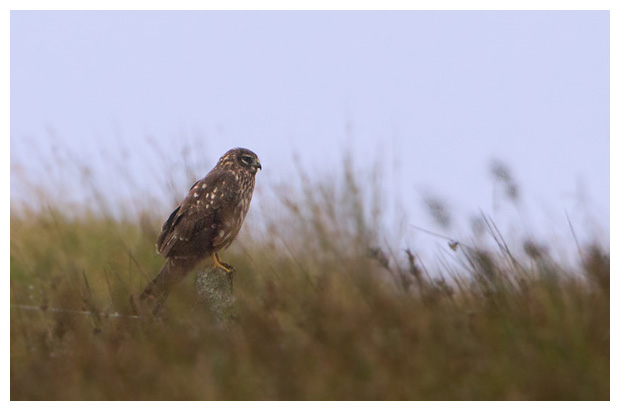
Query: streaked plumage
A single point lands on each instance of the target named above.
(207, 220)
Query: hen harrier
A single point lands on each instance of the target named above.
(206, 221)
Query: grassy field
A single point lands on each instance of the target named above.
(322, 312)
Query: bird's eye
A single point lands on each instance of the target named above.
(246, 159)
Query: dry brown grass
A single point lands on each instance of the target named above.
(323, 311)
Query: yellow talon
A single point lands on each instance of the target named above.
(219, 264)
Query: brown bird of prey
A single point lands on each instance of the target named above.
(206, 221)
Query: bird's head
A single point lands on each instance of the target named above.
(244, 158)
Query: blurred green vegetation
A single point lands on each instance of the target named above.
(323, 311)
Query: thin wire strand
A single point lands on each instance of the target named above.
(64, 310)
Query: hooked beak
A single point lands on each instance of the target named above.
(257, 165)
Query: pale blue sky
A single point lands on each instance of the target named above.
(435, 95)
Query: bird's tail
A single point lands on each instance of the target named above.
(171, 273)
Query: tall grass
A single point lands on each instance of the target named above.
(324, 310)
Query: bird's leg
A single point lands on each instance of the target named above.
(218, 263)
